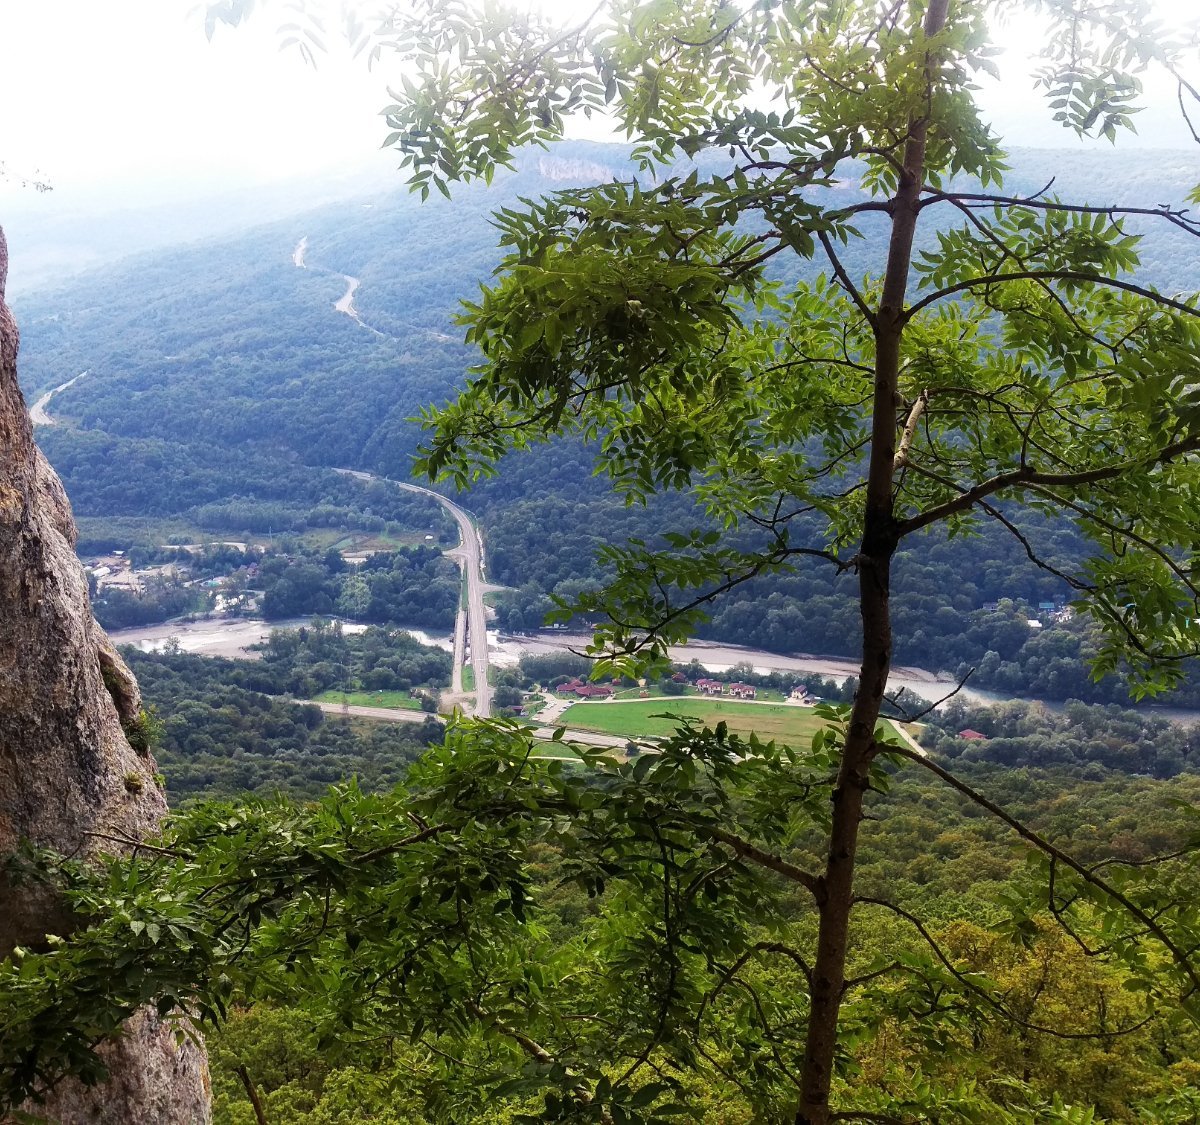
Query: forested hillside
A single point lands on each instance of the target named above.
(222, 385)
(226, 731)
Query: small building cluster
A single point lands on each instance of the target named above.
(584, 690)
(736, 690)
(1054, 613)
(1048, 613)
(117, 570)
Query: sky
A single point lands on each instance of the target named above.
(129, 92)
(126, 99)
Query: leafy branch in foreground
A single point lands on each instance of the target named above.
(415, 917)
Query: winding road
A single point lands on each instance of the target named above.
(470, 627)
(345, 304)
(38, 414)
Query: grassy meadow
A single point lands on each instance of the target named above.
(787, 723)
(394, 700)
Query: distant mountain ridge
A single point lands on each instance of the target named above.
(58, 235)
(233, 316)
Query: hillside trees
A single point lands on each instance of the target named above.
(1015, 363)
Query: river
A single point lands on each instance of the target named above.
(231, 637)
(718, 657)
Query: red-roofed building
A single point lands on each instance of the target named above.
(710, 687)
(972, 735)
(743, 691)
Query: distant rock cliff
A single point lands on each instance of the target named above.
(69, 778)
(574, 170)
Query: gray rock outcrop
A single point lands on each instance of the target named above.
(69, 777)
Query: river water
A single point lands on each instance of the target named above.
(231, 637)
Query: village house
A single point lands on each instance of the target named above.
(710, 687)
(743, 691)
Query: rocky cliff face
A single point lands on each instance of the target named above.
(69, 777)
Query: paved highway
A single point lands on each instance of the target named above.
(470, 630)
(37, 412)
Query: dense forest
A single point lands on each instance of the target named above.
(229, 727)
(932, 856)
(417, 587)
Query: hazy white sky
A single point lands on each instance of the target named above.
(100, 94)
(97, 95)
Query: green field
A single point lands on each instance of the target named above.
(395, 700)
(784, 723)
(468, 678)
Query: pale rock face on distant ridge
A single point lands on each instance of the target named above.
(574, 170)
(68, 775)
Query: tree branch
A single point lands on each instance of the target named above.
(984, 200)
(772, 862)
(905, 717)
(981, 992)
(531, 1047)
(252, 1094)
(910, 430)
(1025, 475)
(1050, 275)
(844, 278)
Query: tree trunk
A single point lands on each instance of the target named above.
(879, 542)
(68, 774)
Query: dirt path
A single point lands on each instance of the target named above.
(37, 413)
(903, 731)
(385, 714)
